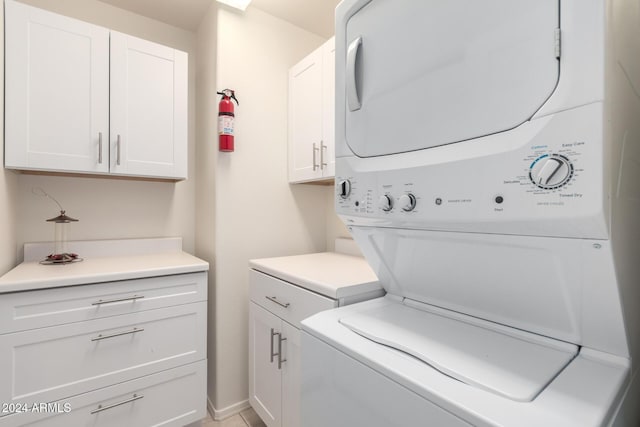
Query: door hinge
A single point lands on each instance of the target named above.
(557, 42)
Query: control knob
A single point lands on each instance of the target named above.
(344, 188)
(407, 202)
(385, 202)
(551, 171)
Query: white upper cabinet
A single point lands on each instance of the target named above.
(148, 98)
(81, 98)
(56, 92)
(305, 123)
(329, 107)
(311, 116)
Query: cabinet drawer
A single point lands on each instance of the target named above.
(48, 364)
(289, 302)
(22, 311)
(171, 398)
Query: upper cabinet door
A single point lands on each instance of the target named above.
(426, 73)
(329, 107)
(148, 108)
(56, 92)
(305, 118)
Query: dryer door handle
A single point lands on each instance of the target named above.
(353, 99)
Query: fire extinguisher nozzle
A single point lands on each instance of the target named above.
(229, 94)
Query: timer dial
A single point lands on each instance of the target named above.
(551, 171)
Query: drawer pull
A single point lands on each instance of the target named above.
(111, 301)
(274, 299)
(117, 334)
(101, 408)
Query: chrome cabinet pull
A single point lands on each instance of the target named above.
(279, 352)
(99, 148)
(111, 301)
(273, 334)
(314, 156)
(280, 359)
(117, 334)
(274, 299)
(118, 150)
(101, 408)
(322, 148)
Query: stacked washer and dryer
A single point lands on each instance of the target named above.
(488, 166)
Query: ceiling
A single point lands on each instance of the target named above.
(315, 16)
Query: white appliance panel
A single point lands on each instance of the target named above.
(366, 384)
(450, 71)
(511, 363)
(490, 185)
(552, 287)
(339, 391)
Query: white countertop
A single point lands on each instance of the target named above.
(33, 275)
(332, 274)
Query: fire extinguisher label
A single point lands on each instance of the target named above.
(225, 125)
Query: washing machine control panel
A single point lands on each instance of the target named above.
(549, 185)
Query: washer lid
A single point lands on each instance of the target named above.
(502, 360)
(419, 74)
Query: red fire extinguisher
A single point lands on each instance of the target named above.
(225, 119)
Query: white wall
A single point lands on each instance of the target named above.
(257, 213)
(112, 208)
(8, 188)
(206, 172)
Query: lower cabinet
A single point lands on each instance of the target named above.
(127, 353)
(276, 309)
(274, 368)
(170, 398)
(284, 291)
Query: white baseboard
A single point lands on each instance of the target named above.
(221, 414)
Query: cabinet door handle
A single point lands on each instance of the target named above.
(101, 408)
(273, 334)
(274, 299)
(280, 359)
(314, 156)
(118, 150)
(111, 301)
(322, 149)
(99, 148)
(117, 334)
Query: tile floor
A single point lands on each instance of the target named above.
(246, 418)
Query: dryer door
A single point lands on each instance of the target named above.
(425, 73)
